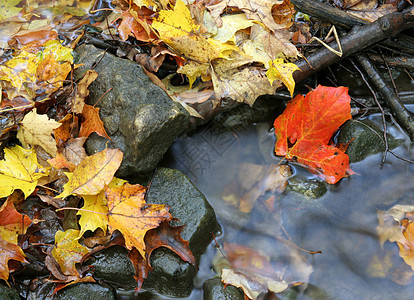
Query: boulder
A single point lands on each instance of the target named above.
(138, 116)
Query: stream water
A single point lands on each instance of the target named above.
(341, 224)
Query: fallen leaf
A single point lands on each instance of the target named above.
(19, 170)
(282, 71)
(12, 223)
(82, 91)
(178, 30)
(241, 85)
(73, 151)
(93, 173)
(129, 214)
(94, 213)
(9, 251)
(259, 10)
(169, 237)
(37, 130)
(231, 24)
(67, 251)
(92, 122)
(407, 245)
(306, 126)
(253, 181)
(9, 8)
(252, 284)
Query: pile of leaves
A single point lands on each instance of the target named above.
(46, 166)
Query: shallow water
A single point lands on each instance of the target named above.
(341, 224)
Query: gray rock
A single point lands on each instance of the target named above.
(86, 291)
(7, 293)
(170, 276)
(139, 117)
(214, 289)
(188, 205)
(311, 188)
(365, 138)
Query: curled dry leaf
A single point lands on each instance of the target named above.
(9, 251)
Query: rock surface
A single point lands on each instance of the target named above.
(214, 289)
(7, 293)
(171, 276)
(364, 139)
(138, 116)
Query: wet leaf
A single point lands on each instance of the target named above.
(129, 214)
(178, 30)
(94, 213)
(37, 130)
(19, 170)
(282, 71)
(93, 173)
(407, 245)
(82, 91)
(12, 223)
(8, 8)
(168, 237)
(306, 126)
(9, 251)
(92, 122)
(67, 251)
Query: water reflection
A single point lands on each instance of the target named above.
(342, 223)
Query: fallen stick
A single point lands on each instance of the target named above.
(403, 117)
(359, 38)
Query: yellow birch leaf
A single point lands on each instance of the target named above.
(93, 173)
(68, 251)
(19, 170)
(132, 216)
(178, 30)
(37, 130)
(193, 70)
(282, 71)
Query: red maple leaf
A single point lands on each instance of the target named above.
(306, 126)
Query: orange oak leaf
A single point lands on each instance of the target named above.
(9, 251)
(306, 126)
(66, 130)
(12, 223)
(93, 173)
(92, 122)
(132, 216)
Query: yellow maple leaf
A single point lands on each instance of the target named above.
(132, 216)
(94, 213)
(178, 30)
(231, 24)
(93, 173)
(19, 170)
(279, 70)
(68, 251)
(37, 129)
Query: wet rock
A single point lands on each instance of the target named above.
(311, 188)
(188, 205)
(214, 289)
(365, 138)
(7, 293)
(265, 107)
(86, 291)
(171, 276)
(139, 117)
(266, 140)
(113, 266)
